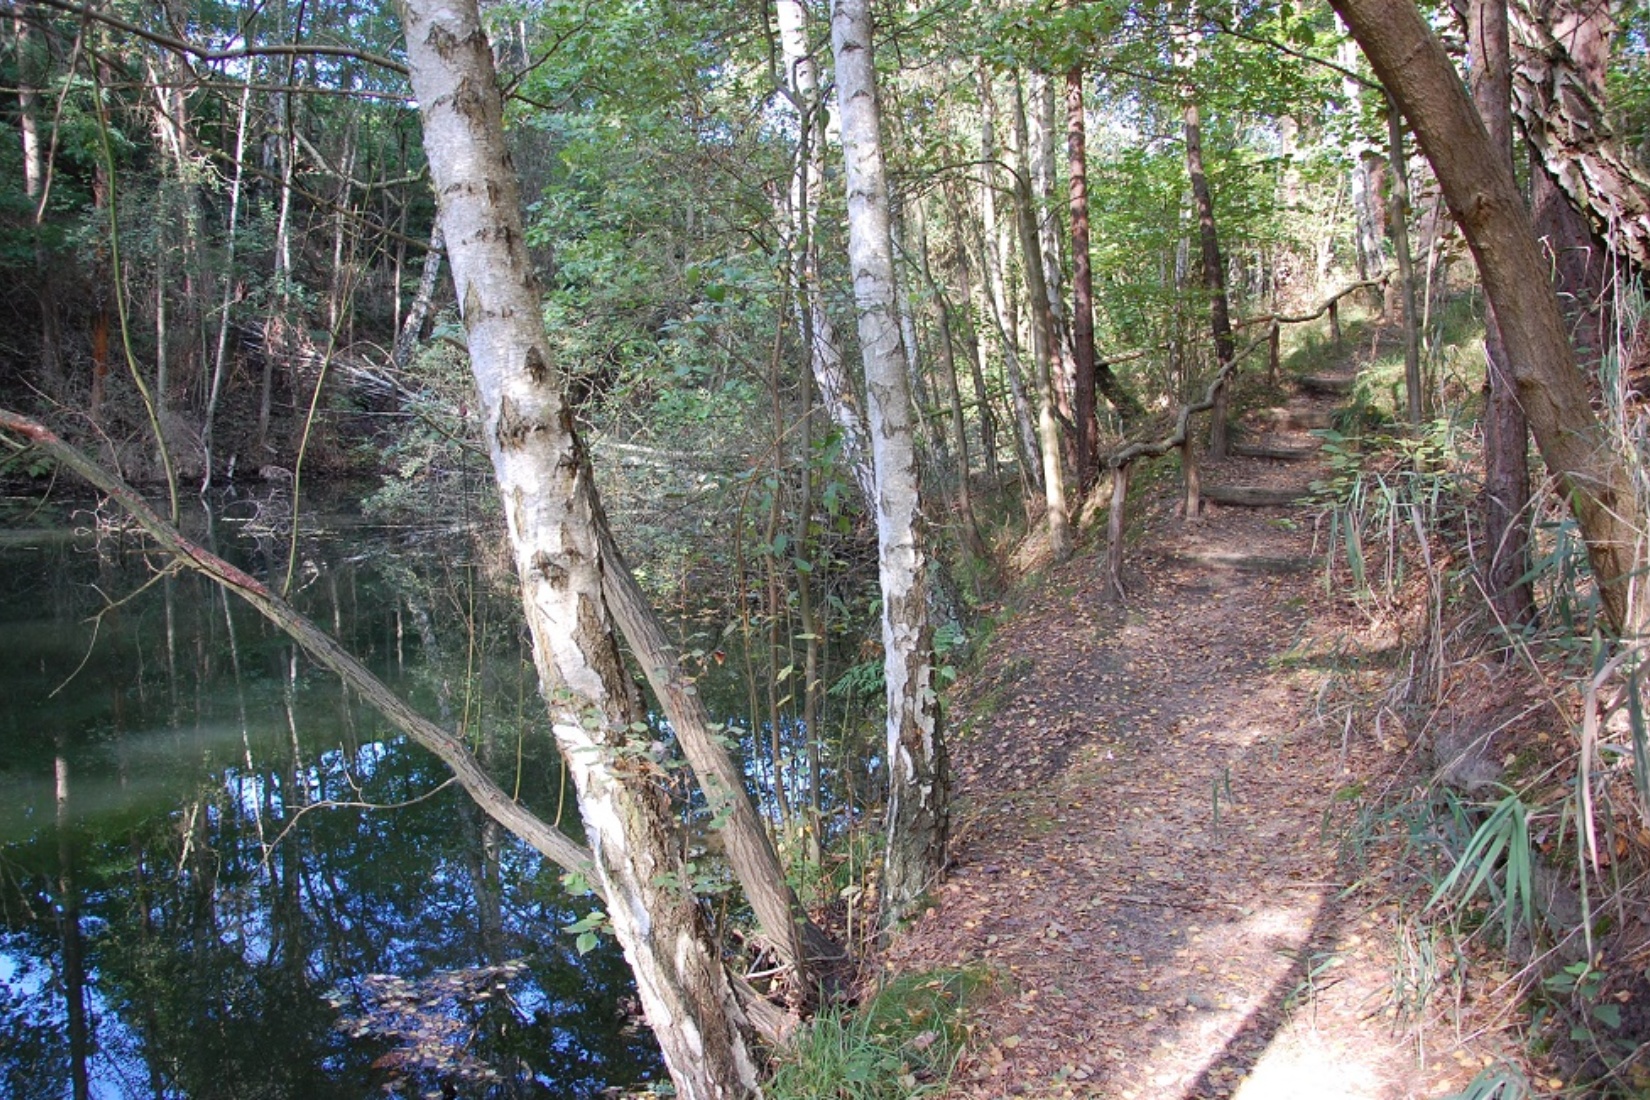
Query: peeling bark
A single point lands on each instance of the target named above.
(1562, 114)
(917, 810)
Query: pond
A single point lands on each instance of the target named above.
(221, 876)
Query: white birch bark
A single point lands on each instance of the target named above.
(916, 757)
(554, 522)
(836, 390)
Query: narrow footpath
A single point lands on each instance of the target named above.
(1142, 860)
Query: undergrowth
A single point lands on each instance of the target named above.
(902, 1042)
(1514, 843)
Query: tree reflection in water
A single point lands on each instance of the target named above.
(182, 913)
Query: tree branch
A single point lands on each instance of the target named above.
(321, 647)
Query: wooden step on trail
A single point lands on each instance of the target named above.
(1249, 563)
(1253, 496)
(1274, 451)
(1297, 420)
(1328, 383)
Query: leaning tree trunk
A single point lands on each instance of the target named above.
(1506, 435)
(412, 329)
(554, 521)
(917, 811)
(1484, 198)
(1557, 99)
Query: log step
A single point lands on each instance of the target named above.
(1251, 563)
(1328, 383)
(1253, 496)
(1281, 454)
(1297, 420)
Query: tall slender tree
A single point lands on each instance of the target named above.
(917, 784)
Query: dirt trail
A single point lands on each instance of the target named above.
(1141, 856)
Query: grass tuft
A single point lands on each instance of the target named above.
(901, 1043)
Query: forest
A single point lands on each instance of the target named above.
(676, 480)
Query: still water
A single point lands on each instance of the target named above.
(221, 876)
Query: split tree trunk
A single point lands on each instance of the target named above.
(917, 810)
(554, 521)
(1484, 198)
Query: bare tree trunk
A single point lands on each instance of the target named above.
(1051, 242)
(964, 287)
(1370, 230)
(277, 321)
(750, 852)
(917, 795)
(1089, 374)
(947, 360)
(1042, 340)
(30, 74)
(1214, 274)
(931, 437)
(227, 300)
(1082, 288)
(994, 261)
(1506, 492)
(1399, 219)
(1484, 198)
(406, 341)
(555, 525)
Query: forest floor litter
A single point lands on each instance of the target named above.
(1149, 808)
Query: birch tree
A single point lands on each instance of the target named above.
(916, 816)
(554, 521)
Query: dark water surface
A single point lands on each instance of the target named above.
(220, 876)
